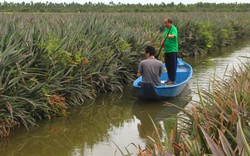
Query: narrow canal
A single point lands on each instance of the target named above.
(115, 120)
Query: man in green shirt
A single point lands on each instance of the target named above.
(170, 45)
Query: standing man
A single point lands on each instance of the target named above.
(150, 69)
(170, 45)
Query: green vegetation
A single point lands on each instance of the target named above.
(49, 62)
(112, 7)
(217, 124)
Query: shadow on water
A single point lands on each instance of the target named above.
(159, 108)
(158, 111)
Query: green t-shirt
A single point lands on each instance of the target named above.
(171, 44)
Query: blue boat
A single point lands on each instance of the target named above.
(147, 90)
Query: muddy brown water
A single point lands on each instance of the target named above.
(108, 126)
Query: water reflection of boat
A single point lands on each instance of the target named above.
(160, 111)
(148, 91)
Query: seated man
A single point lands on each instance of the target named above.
(150, 68)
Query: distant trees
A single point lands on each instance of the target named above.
(112, 7)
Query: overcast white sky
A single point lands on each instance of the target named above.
(133, 1)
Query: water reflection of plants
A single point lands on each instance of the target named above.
(85, 127)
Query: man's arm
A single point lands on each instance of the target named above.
(173, 33)
(139, 72)
(170, 36)
(160, 72)
(162, 42)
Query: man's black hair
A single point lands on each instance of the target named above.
(150, 50)
(169, 20)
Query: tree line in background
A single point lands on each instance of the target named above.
(120, 7)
